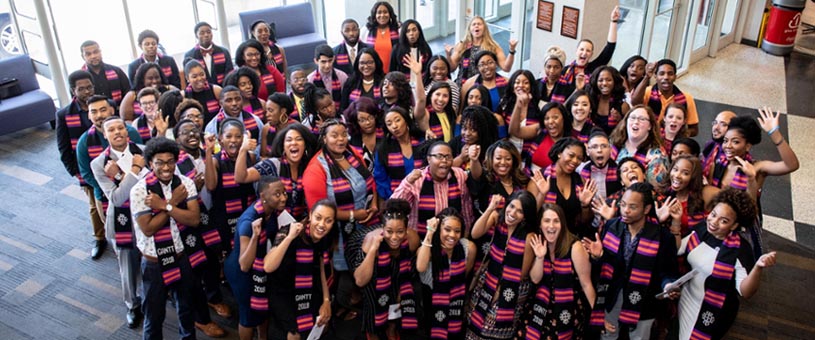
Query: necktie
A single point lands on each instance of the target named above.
(352, 54)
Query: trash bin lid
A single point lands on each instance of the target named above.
(793, 4)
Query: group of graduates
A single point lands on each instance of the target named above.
(383, 199)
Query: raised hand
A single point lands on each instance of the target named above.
(161, 124)
(580, 80)
(767, 119)
(664, 210)
(474, 151)
(523, 98)
(512, 44)
(256, 226)
(767, 260)
(374, 245)
(600, 207)
(586, 194)
(210, 141)
(746, 167)
(429, 134)
(249, 143)
(594, 248)
(538, 246)
(432, 224)
(414, 176)
(414, 65)
(650, 70)
(495, 200)
(540, 181)
(615, 14)
(294, 230)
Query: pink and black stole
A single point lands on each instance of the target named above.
(655, 102)
(395, 166)
(163, 238)
(123, 221)
(267, 80)
(277, 57)
(739, 180)
(94, 142)
(111, 76)
(551, 195)
(553, 312)
(565, 84)
(503, 273)
(218, 71)
(206, 98)
(643, 261)
(357, 92)
(336, 87)
(393, 285)
(641, 156)
(371, 38)
(76, 125)
(296, 202)
(248, 119)
(307, 280)
(230, 199)
(447, 302)
(144, 131)
(427, 200)
(717, 284)
(612, 181)
(343, 194)
(207, 232)
(255, 107)
(259, 298)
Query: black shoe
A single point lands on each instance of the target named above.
(134, 317)
(99, 247)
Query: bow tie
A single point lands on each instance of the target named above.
(206, 52)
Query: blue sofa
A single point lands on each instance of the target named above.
(33, 107)
(294, 27)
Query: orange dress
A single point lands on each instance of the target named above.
(383, 47)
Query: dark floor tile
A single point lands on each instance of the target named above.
(800, 72)
(805, 234)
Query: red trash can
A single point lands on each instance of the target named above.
(785, 17)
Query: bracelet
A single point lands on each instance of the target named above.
(512, 52)
(770, 133)
(615, 21)
(425, 244)
(779, 142)
(540, 258)
(351, 219)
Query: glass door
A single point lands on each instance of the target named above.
(703, 19)
(729, 20)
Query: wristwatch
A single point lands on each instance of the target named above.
(118, 176)
(169, 208)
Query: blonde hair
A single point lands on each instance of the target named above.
(487, 43)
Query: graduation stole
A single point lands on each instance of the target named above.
(267, 79)
(739, 180)
(718, 283)
(218, 61)
(307, 279)
(427, 200)
(166, 69)
(688, 220)
(74, 123)
(565, 84)
(123, 222)
(277, 57)
(357, 92)
(640, 156)
(111, 76)
(613, 104)
(371, 38)
(583, 134)
(237, 197)
(259, 298)
(248, 120)
(144, 131)
(710, 153)
(500, 83)
(207, 233)
(643, 261)
(343, 195)
(655, 103)
(395, 166)
(435, 123)
(94, 142)
(336, 87)
(449, 287)
(163, 238)
(394, 283)
(206, 97)
(555, 293)
(464, 64)
(503, 272)
(296, 202)
(551, 195)
(612, 181)
(256, 108)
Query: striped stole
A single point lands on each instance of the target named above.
(717, 285)
(655, 101)
(163, 238)
(307, 280)
(643, 261)
(555, 293)
(427, 200)
(392, 285)
(395, 166)
(447, 301)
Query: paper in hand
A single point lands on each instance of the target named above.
(676, 285)
(316, 331)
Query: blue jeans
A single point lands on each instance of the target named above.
(154, 305)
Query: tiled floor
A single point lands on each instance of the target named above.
(50, 289)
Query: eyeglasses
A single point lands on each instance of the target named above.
(441, 157)
(161, 164)
(367, 63)
(150, 103)
(297, 80)
(192, 132)
(252, 54)
(365, 120)
(719, 123)
(638, 119)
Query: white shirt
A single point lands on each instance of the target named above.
(123, 159)
(137, 207)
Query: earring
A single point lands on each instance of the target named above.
(264, 201)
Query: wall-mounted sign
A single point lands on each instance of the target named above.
(569, 22)
(546, 12)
